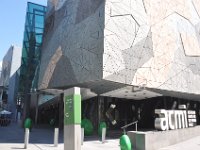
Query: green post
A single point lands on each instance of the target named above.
(72, 109)
(72, 119)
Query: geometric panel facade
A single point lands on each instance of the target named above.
(148, 43)
(165, 52)
(73, 43)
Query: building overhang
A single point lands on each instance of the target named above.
(132, 92)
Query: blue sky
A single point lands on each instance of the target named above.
(12, 16)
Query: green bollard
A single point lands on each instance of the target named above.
(28, 123)
(125, 143)
(101, 126)
(52, 122)
(88, 127)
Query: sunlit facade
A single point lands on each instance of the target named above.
(124, 54)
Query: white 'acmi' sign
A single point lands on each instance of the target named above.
(174, 119)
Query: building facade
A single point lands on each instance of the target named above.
(9, 67)
(124, 53)
(9, 78)
(30, 60)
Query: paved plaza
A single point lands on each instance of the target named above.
(12, 137)
(192, 144)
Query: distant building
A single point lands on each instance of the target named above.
(0, 67)
(10, 65)
(1, 88)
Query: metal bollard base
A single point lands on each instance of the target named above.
(26, 138)
(103, 135)
(56, 136)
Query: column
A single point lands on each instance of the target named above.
(72, 119)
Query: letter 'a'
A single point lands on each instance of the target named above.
(161, 123)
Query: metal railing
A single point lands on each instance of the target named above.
(130, 124)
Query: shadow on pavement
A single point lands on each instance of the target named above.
(16, 148)
(15, 134)
(38, 135)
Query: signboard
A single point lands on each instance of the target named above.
(72, 109)
(174, 119)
